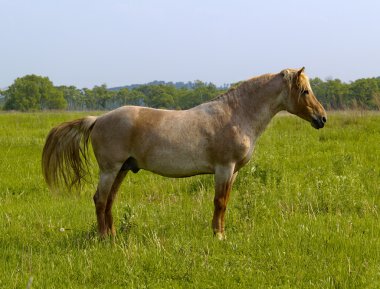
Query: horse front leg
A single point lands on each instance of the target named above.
(224, 179)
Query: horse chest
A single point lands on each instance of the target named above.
(237, 147)
(246, 156)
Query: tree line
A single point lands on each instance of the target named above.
(334, 94)
(32, 92)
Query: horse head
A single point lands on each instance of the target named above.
(300, 99)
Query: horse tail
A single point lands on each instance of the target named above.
(65, 154)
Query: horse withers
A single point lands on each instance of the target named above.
(217, 137)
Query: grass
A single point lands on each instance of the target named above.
(304, 213)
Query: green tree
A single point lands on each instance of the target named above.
(332, 93)
(136, 97)
(336, 93)
(364, 91)
(89, 100)
(101, 96)
(200, 93)
(319, 89)
(125, 96)
(73, 96)
(158, 96)
(33, 92)
(121, 96)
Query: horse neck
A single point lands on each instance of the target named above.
(256, 101)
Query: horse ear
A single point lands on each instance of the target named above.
(300, 71)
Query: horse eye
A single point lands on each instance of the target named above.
(305, 92)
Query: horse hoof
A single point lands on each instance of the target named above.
(220, 236)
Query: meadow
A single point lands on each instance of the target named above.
(304, 213)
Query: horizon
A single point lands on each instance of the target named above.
(219, 86)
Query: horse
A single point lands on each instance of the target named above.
(216, 137)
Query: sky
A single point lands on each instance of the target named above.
(93, 42)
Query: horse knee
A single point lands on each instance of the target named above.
(220, 204)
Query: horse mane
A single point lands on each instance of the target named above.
(293, 78)
(240, 87)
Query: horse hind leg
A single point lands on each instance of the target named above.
(109, 184)
(111, 197)
(101, 196)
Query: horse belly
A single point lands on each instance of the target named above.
(177, 163)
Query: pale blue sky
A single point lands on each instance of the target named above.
(90, 42)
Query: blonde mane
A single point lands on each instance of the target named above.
(243, 86)
(296, 79)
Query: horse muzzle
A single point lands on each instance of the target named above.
(318, 122)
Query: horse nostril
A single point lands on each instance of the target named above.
(324, 119)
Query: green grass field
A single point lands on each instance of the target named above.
(304, 213)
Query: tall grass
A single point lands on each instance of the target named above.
(304, 213)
